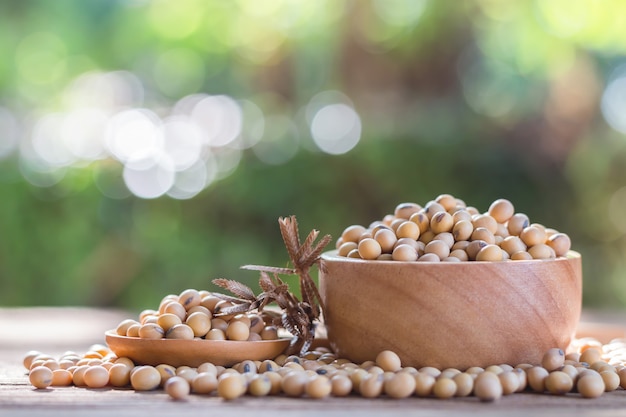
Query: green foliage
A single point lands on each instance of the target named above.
(480, 99)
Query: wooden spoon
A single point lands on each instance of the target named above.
(193, 353)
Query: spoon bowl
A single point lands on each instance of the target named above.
(177, 352)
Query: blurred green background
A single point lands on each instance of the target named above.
(150, 146)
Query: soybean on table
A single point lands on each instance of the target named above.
(56, 330)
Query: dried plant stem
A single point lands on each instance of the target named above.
(299, 317)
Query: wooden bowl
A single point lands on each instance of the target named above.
(192, 352)
(450, 314)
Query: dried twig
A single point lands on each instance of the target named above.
(298, 317)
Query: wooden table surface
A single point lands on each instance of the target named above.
(56, 330)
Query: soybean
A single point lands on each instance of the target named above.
(400, 385)
(177, 387)
(145, 378)
(553, 359)
(487, 387)
(40, 377)
(590, 385)
(231, 386)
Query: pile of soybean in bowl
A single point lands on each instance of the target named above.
(199, 314)
(447, 230)
(589, 369)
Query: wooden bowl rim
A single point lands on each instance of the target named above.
(331, 256)
(239, 344)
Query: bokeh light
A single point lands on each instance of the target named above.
(336, 128)
(9, 133)
(614, 100)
